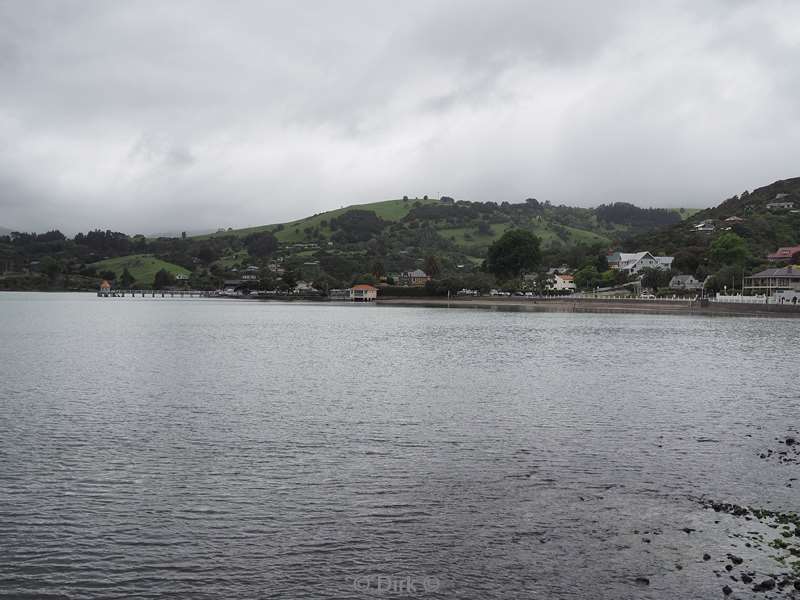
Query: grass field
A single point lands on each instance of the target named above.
(143, 267)
(390, 210)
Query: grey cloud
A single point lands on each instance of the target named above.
(198, 114)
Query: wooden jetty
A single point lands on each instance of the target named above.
(154, 293)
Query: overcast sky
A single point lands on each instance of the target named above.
(165, 115)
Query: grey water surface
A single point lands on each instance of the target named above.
(157, 448)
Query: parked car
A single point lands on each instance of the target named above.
(647, 296)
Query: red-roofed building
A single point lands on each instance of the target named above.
(790, 254)
(363, 293)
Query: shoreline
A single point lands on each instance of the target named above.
(563, 304)
(601, 305)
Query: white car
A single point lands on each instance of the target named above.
(647, 296)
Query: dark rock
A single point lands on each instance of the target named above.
(735, 559)
(642, 581)
(764, 586)
(688, 530)
(726, 589)
(790, 441)
(728, 567)
(797, 584)
(706, 556)
(746, 578)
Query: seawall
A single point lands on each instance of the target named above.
(603, 305)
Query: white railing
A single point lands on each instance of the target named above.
(738, 299)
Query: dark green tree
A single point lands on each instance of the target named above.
(655, 278)
(587, 278)
(729, 249)
(378, 269)
(432, 266)
(261, 244)
(516, 251)
(289, 279)
(162, 279)
(126, 279)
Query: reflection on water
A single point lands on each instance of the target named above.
(212, 448)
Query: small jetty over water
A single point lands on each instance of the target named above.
(154, 293)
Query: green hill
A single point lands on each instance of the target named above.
(143, 267)
(470, 227)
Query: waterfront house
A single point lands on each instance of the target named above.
(789, 254)
(685, 283)
(562, 283)
(417, 277)
(774, 280)
(632, 263)
(363, 293)
(105, 286)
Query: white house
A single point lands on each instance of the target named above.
(706, 226)
(780, 205)
(562, 283)
(635, 262)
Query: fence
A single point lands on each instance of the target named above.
(760, 299)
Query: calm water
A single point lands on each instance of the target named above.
(228, 449)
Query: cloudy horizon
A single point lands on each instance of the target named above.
(167, 116)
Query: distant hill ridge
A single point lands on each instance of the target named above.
(472, 226)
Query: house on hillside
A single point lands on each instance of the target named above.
(706, 226)
(105, 286)
(789, 254)
(181, 277)
(632, 263)
(413, 278)
(780, 205)
(685, 283)
(363, 293)
(733, 220)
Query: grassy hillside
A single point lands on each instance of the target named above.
(293, 231)
(143, 267)
(458, 223)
